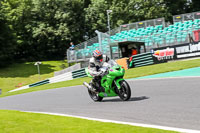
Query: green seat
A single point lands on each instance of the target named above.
(112, 37)
(184, 37)
(175, 27)
(124, 32)
(132, 30)
(177, 23)
(180, 29)
(158, 27)
(166, 28)
(160, 31)
(140, 29)
(181, 25)
(186, 22)
(171, 26)
(191, 23)
(196, 20)
(179, 38)
(170, 38)
(186, 26)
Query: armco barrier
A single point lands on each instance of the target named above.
(142, 59)
(79, 73)
(62, 77)
(39, 83)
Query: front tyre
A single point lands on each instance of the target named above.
(124, 91)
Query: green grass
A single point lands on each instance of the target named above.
(130, 73)
(161, 68)
(23, 122)
(26, 73)
(49, 86)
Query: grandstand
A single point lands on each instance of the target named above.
(153, 33)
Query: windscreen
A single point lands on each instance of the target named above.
(112, 63)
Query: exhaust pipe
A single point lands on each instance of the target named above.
(88, 86)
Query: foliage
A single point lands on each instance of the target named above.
(7, 40)
(129, 11)
(55, 23)
(195, 5)
(42, 29)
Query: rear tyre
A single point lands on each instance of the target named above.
(125, 91)
(94, 96)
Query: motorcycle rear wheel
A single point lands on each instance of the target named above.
(125, 91)
(94, 96)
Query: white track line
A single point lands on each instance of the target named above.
(121, 122)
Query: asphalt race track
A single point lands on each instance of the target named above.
(173, 102)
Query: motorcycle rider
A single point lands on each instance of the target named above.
(95, 63)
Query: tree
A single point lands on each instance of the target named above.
(7, 41)
(95, 17)
(195, 5)
(54, 24)
(123, 12)
(44, 28)
(17, 14)
(176, 7)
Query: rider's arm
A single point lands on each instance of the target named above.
(93, 70)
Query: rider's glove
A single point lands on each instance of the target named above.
(101, 73)
(107, 71)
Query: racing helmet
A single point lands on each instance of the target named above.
(97, 55)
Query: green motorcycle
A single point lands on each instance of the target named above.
(112, 81)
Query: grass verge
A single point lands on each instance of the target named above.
(23, 122)
(130, 73)
(17, 75)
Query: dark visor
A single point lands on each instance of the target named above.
(99, 57)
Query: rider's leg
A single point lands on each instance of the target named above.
(99, 84)
(96, 82)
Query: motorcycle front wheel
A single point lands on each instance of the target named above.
(124, 91)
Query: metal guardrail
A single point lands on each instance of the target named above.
(143, 24)
(39, 83)
(79, 73)
(63, 77)
(186, 17)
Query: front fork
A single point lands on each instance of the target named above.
(117, 83)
